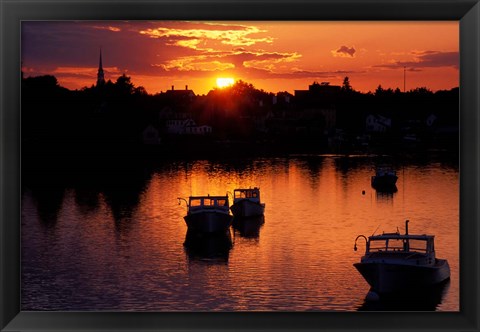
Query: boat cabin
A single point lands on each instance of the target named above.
(400, 248)
(207, 202)
(250, 194)
(400, 243)
(384, 171)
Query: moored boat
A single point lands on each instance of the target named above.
(395, 262)
(208, 214)
(246, 203)
(385, 179)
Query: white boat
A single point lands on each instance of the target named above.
(246, 203)
(395, 262)
(208, 214)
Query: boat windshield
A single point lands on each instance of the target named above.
(195, 202)
(246, 194)
(222, 202)
(399, 245)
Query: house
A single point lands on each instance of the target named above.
(186, 94)
(318, 94)
(186, 126)
(376, 123)
(198, 130)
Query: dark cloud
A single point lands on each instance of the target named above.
(49, 45)
(427, 59)
(345, 51)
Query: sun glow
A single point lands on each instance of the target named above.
(223, 82)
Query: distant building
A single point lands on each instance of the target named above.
(100, 73)
(186, 126)
(316, 107)
(180, 94)
(376, 123)
(198, 130)
(318, 93)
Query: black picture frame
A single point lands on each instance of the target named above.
(467, 12)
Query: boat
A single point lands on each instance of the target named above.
(246, 203)
(207, 214)
(385, 179)
(395, 262)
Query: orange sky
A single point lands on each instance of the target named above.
(274, 56)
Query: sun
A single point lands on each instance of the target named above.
(223, 82)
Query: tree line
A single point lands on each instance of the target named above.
(116, 113)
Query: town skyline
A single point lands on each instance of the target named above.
(273, 56)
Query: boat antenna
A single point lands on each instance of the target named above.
(376, 230)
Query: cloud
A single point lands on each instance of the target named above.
(165, 50)
(229, 60)
(426, 59)
(109, 28)
(235, 35)
(344, 52)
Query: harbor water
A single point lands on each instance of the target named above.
(117, 240)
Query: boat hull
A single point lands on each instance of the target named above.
(385, 182)
(387, 278)
(245, 208)
(208, 222)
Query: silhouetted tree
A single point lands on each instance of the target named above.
(346, 84)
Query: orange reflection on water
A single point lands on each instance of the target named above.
(301, 258)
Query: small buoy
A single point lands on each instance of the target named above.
(372, 296)
(363, 192)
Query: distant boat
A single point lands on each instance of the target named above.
(208, 214)
(395, 262)
(385, 179)
(246, 203)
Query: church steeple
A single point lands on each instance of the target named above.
(100, 75)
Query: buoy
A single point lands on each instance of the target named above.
(372, 296)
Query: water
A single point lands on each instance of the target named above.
(115, 241)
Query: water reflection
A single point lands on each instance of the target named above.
(87, 201)
(48, 202)
(211, 247)
(414, 300)
(121, 230)
(248, 227)
(386, 189)
(384, 197)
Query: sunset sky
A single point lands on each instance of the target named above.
(273, 56)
